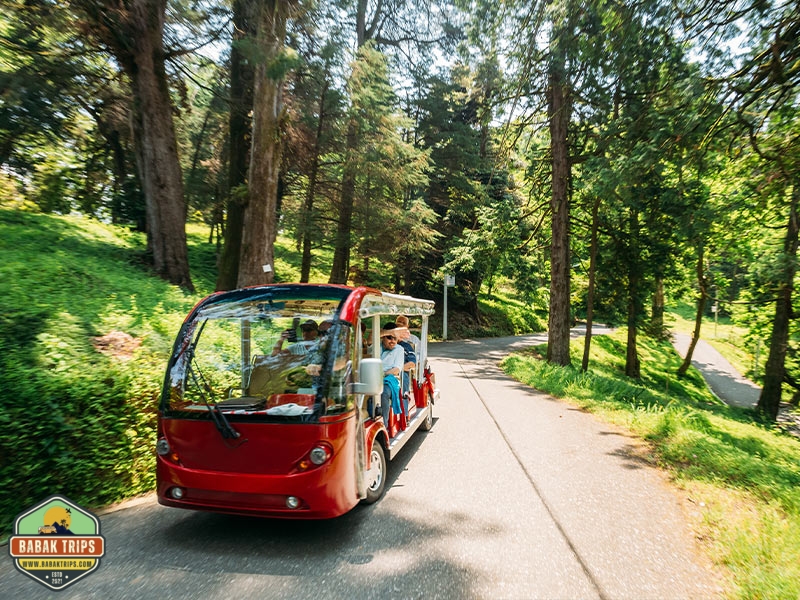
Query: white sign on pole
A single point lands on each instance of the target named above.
(450, 280)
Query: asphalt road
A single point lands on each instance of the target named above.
(511, 495)
(723, 379)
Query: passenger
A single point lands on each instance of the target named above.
(316, 355)
(409, 359)
(335, 347)
(310, 331)
(402, 321)
(392, 357)
(324, 327)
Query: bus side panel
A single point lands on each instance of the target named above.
(259, 475)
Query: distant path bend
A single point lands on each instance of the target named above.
(723, 379)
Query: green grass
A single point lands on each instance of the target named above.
(746, 473)
(501, 315)
(75, 420)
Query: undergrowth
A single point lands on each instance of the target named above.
(77, 420)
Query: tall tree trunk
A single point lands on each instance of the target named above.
(657, 309)
(340, 268)
(632, 365)
(559, 116)
(134, 33)
(775, 369)
(587, 342)
(241, 103)
(308, 207)
(162, 179)
(702, 300)
(256, 264)
(308, 220)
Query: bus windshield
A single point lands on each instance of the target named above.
(278, 354)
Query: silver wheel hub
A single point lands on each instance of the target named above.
(375, 472)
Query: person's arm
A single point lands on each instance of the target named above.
(398, 359)
(276, 349)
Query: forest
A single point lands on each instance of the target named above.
(598, 158)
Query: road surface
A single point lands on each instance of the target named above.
(511, 495)
(723, 379)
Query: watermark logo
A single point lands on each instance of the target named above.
(56, 542)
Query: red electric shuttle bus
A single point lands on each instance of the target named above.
(270, 401)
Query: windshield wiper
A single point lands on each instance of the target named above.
(225, 429)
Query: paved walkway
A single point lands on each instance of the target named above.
(597, 520)
(723, 379)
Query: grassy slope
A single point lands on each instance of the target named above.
(744, 477)
(77, 421)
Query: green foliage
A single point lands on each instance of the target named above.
(280, 65)
(706, 445)
(34, 73)
(503, 315)
(64, 122)
(84, 335)
(390, 224)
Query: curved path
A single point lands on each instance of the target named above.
(723, 379)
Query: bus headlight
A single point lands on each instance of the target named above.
(162, 447)
(319, 454)
(292, 502)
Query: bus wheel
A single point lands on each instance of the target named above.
(427, 425)
(376, 476)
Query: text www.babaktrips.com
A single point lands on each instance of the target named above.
(56, 564)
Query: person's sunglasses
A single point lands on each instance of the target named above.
(389, 337)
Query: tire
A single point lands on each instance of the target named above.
(376, 476)
(427, 424)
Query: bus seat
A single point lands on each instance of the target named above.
(259, 374)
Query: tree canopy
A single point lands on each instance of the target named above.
(597, 159)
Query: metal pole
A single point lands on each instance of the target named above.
(715, 310)
(246, 365)
(444, 314)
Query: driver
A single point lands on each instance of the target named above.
(310, 331)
